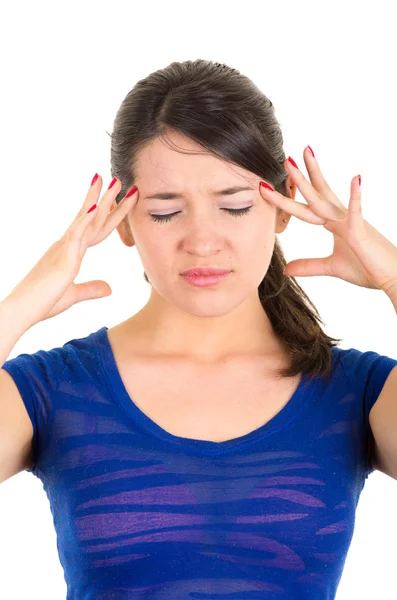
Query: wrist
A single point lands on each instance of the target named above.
(13, 316)
(392, 295)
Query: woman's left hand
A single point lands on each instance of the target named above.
(361, 255)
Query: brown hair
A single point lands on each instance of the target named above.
(223, 111)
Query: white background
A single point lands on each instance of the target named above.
(329, 69)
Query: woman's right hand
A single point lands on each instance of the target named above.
(49, 288)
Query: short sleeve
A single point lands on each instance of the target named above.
(37, 377)
(367, 372)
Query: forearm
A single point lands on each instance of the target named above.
(12, 327)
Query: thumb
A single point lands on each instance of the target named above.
(309, 267)
(90, 290)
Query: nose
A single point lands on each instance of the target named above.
(203, 235)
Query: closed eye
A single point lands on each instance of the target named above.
(235, 212)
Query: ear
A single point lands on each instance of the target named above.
(281, 214)
(124, 231)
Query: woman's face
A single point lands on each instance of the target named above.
(202, 232)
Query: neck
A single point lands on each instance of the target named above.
(165, 330)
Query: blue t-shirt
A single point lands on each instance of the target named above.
(141, 513)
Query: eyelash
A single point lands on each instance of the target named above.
(235, 212)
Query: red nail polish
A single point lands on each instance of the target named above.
(93, 207)
(312, 153)
(132, 191)
(94, 178)
(112, 182)
(291, 160)
(268, 187)
(359, 179)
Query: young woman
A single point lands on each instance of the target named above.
(216, 443)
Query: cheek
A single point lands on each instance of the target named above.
(258, 249)
(262, 235)
(154, 251)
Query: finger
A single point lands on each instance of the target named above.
(320, 184)
(79, 226)
(79, 292)
(90, 290)
(322, 207)
(309, 267)
(355, 222)
(297, 209)
(106, 202)
(92, 196)
(117, 215)
(317, 179)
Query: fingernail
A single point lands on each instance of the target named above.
(112, 182)
(132, 191)
(93, 207)
(311, 151)
(359, 179)
(268, 187)
(291, 160)
(94, 178)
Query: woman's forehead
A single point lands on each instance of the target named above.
(159, 164)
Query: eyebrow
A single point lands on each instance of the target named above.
(172, 195)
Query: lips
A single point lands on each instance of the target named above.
(203, 271)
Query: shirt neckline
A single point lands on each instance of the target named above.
(112, 378)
